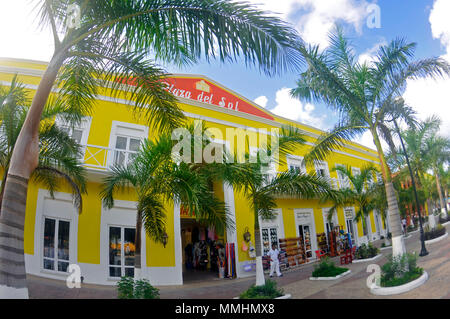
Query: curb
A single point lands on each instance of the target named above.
(385, 291)
(331, 278)
(446, 223)
(435, 240)
(387, 247)
(355, 261)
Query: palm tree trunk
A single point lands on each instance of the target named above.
(24, 160)
(12, 259)
(398, 244)
(260, 281)
(441, 198)
(137, 253)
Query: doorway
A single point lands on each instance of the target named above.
(202, 249)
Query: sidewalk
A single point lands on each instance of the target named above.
(296, 282)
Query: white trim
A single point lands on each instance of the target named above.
(312, 225)
(228, 194)
(360, 148)
(331, 278)
(385, 291)
(355, 225)
(277, 223)
(355, 261)
(34, 262)
(140, 130)
(435, 240)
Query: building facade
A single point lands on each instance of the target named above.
(101, 241)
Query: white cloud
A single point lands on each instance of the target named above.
(318, 16)
(428, 96)
(369, 55)
(262, 101)
(295, 110)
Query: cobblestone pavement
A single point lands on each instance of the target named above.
(296, 282)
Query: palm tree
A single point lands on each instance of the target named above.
(58, 151)
(57, 162)
(437, 150)
(360, 191)
(158, 176)
(362, 94)
(262, 186)
(105, 43)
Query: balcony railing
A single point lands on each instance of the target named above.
(103, 158)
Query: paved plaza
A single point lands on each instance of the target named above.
(295, 282)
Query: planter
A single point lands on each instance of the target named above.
(331, 278)
(387, 247)
(435, 240)
(355, 261)
(287, 296)
(446, 223)
(408, 236)
(386, 291)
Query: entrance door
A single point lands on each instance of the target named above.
(351, 230)
(269, 238)
(305, 233)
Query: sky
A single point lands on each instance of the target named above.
(425, 22)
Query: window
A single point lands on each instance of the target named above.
(56, 244)
(296, 164)
(322, 169)
(121, 251)
(79, 133)
(125, 149)
(269, 238)
(344, 181)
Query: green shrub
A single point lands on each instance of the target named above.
(434, 233)
(128, 288)
(364, 251)
(326, 268)
(400, 270)
(267, 291)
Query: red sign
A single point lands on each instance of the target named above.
(204, 91)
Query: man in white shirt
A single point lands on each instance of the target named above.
(274, 261)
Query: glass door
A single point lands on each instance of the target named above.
(351, 230)
(56, 244)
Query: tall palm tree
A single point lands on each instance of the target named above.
(360, 191)
(59, 153)
(262, 186)
(362, 94)
(437, 150)
(105, 43)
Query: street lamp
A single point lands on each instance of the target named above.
(423, 251)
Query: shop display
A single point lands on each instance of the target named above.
(293, 251)
(322, 242)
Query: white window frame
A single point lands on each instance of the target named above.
(355, 225)
(343, 180)
(129, 130)
(322, 165)
(296, 161)
(122, 265)
(55, 259)
(84, 126)
(123, 214)
(71, 215)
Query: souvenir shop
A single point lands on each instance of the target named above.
(205, 253)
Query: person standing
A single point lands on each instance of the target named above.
(274, 261)
(404, 226)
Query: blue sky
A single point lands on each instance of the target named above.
(423, 21)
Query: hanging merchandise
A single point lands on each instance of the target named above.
(212, 233)
(251, 250)
(231, 260)
(244, 246)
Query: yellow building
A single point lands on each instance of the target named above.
(101, 241)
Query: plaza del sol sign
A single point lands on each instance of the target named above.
(204, 91)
